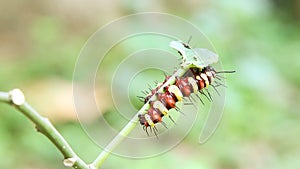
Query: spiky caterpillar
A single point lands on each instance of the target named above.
(199, 77)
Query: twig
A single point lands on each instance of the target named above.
(43, 125)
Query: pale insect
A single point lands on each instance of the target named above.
(198, 57)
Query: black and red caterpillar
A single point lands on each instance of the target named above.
(195, 80)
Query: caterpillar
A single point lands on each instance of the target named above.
(196, 80)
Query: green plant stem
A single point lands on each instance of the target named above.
(44, 126)
(4, 97)
(133, 122)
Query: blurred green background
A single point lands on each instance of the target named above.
(40, 42)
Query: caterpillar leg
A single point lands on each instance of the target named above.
(197, 95)
(172, 119)
(145, 128)
(164, 124)
(154, 130)
(201, 92)
(191, 100)
(178, 109)
(209, 95)
(151, 124)
(215, 88)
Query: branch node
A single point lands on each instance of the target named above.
(69, 162)
(37, 128)
(17, 97)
